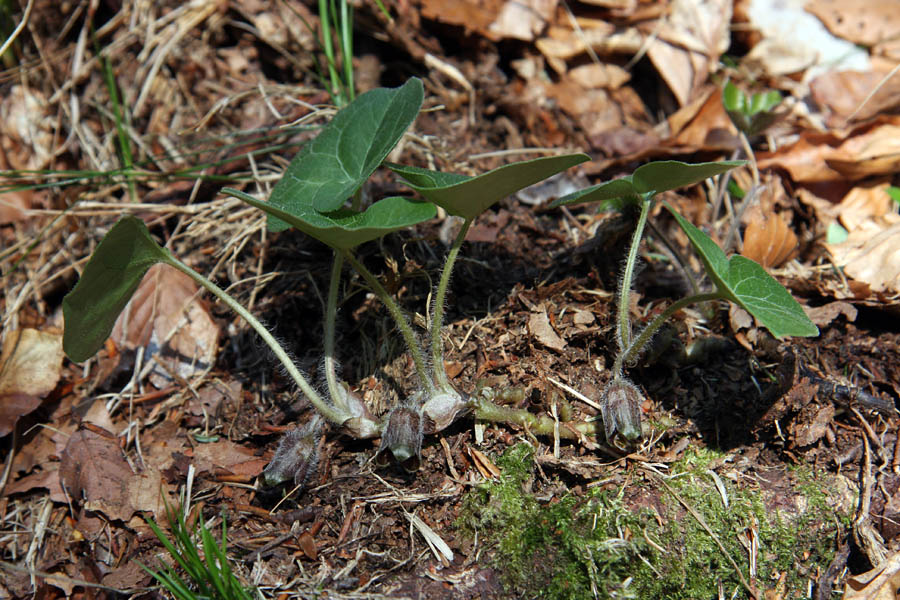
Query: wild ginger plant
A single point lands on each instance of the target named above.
(736, 279)
(319, 194)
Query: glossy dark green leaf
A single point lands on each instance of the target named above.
(468, 197)
(747, 284)
(106, 285)
(343, 228)
(330, 168)
(650, 179)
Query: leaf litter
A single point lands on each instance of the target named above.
(84, 475)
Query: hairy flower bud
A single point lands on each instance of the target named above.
(442, 408)
(403, 437)
(361, 424)
(620, 406)
(297, 456)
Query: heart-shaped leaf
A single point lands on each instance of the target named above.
(648, 180)
(468, 197)
(106, 285)
(747, 284)
(330, 168)
(344, 229)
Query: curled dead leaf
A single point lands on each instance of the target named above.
(30, 365)
(167, 318)
(539, 326)
(769, 241)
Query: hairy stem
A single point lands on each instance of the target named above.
(329, 412)
(437, 312)
(634, 349)
(623, 319)
(330, 317)
(399, 318)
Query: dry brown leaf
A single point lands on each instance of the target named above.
(881, 583)
(866, 207)
(522, 19)
(874, 152)
(225, 454)
(92, 467)
(30, 364)
(703, 124)
(688, 43)
(539, 327)
(791, 40)
(165, 304)
(26, 129)
(844, 92)
(863, 22)
(562, 43)
(805, 160)
(871, 259)
(825, 314)
(807, 431)
(494, 19)
(595, 75)
(769, 241)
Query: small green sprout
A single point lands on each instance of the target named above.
(751, 114)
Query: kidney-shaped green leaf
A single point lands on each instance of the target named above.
(747, 284)
(468, 197)
(650, 179)
(106, 285)
(344, 229)
(330, 168)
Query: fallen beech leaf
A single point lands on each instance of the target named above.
(29, 370)
(881, 583)
(793, 40)
(563, 43)
(825, 314)
(875, 152)
(871, 259)
(225, 454)
(703, 124)
(165, 304)
(843, 93)
(688, 42)
(866, 207)
(769, 241)
(595, 75)
(539, 327)
(92, 467)
(522, 19)
(863, 22)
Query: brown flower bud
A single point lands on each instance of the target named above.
(403, 437)
(297, 456)
(620, 406)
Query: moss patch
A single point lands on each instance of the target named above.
(640, 542)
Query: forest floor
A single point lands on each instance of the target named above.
(767, 469)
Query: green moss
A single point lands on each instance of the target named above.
(599, 544)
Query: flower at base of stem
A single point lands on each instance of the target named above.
(403, 435)
(620, 406)
(297, 456)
